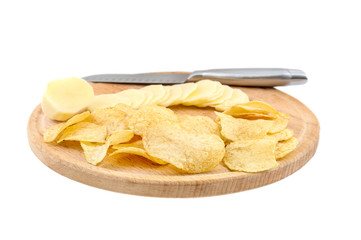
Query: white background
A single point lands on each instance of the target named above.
(46, 40)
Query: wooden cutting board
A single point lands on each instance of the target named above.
(135, 175)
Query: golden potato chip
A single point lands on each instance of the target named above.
(52, 133)
(94, 152)
(113, 118)
(124, 108)
(285, 147)
(193, 153)
(241, 109)
(147, 115)
(135, 148)
(280, 123)
(85, 132)
(121, 136)
(238, 129)
(251, 156)
(283, 135)
(198, 124)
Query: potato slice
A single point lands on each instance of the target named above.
(173, 94)
(107, 100)
(136, 97)
(63, 98)
(186, 89)
(237, 97)
(205, 90)
(157, 92)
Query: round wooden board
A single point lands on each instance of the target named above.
(135, 175)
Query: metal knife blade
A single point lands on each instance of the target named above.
(259, 77)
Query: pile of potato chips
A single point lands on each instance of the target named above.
(248, 137)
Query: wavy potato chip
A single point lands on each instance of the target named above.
(238, 129)
(113, 118)
(135, 148)
(283, 135)
(85, 132)
(280, 123)
(121, 136)
(95, 152)
(285, 147)
(251, 156)
(148, 115)
(193, 153)
(53, 132)
(198, 124)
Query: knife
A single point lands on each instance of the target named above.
(252, 77)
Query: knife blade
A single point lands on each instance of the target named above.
(252, 77)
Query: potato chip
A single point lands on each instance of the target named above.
(237, 97)
(285, 147)
(113, 118)
(52, 133)
(280, 123)
(198, 124)
(283, 135)
(193, 153)
(107, 100)
(121, 136)
(147, 115)
(136, 97)
(95, 152)
(136, 148)
(128, 110)
(85, 132)
(241, 109)
(251, 156)
(238, 129)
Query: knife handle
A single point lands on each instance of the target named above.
(259, 77)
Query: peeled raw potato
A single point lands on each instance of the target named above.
(63, 98)
(107, 100)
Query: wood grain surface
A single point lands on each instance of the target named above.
(135, 175)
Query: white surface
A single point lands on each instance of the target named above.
(45, 40)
